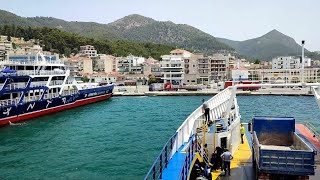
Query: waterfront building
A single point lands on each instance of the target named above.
(131, 64)
(195, 69)
(152, 67)
(182, 67)
(6, 45)
(102, 77)
(285, 75)
(106, 63)
(220, 64)
(289, 62)
(240, 74)
(79, 64)
(173, 66)
(88, 50)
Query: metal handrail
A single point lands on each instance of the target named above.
(311, 127)
(188, 159)
(205, 157)
(154, 170)
(188, 130)
(8, 102)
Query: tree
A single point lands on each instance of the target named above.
(152, 79)
(75, 50)
(67, 51)
(257, 61)
(14, 46)
(85, 79)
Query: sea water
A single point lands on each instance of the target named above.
(117, 138)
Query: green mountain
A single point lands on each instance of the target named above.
(139, 28)
(270, 45)
(132, 27)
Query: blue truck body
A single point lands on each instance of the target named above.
(292, 158)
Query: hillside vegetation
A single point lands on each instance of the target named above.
(133, 27)
(52, 39)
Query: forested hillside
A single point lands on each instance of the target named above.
(52, 39)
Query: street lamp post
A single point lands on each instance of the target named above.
(136, 67)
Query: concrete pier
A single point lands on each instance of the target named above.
(144, 91)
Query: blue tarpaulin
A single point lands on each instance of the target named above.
(7, 70)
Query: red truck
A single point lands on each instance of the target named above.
(252, 88)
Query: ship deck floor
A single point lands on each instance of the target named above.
(241, 164)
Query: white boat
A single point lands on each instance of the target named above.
(35, 85)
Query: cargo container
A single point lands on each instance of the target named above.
(278, 152)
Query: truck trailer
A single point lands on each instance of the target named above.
(278, 152)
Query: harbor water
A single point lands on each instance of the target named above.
(118, 138)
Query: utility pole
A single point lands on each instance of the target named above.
(302, 65)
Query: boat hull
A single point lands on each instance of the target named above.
(30, 110)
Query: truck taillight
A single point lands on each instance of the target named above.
(303, 177)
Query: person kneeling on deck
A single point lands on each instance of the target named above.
(241, 132)
(206, 110)
(226, 157)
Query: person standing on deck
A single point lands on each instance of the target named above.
(218, 152)
(206, 110)
(241, 132)
(226, 157)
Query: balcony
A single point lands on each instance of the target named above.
(173, 72)
(172, 78)
(203, 62)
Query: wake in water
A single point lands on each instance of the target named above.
(142, 96)
(15, 124)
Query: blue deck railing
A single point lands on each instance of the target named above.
(161, 162)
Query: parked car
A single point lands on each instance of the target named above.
(296, 88)
(122, 90)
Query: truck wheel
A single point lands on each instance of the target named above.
(256, 172)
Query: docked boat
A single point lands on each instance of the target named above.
(187, 154)
(32, 86)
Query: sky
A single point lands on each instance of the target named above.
(231, 19)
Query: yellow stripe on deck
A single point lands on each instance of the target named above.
(242, 155)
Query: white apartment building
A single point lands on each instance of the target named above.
(104, 78)
(88, 50)
(276, 76)
(6, 45)
(131, 64)
(173, 66)
(289, 62)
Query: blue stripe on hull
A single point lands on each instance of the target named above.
(54, 102)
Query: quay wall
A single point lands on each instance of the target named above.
(144, 91)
